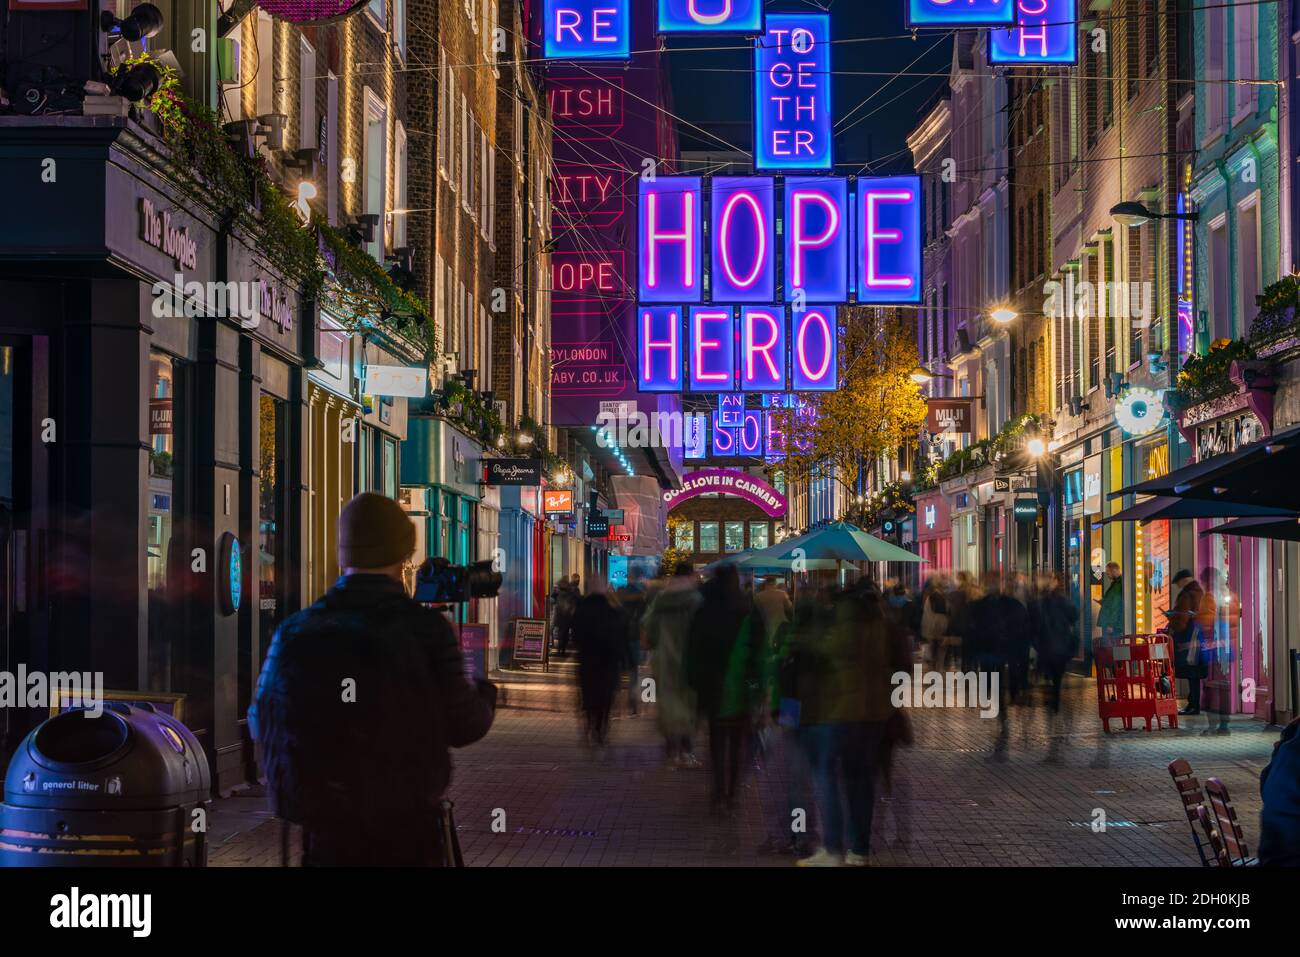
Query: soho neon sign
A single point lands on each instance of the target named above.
(819, 215)
(727, 348)
(711, 16)
(1045, 33)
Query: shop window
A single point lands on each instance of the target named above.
(272, 558)
(684, 537)
(708, 537)
(734, 536)
(390, 467)
(376, 167)
(166, 556)
(758, 537)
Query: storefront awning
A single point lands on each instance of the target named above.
(1168, 506)
(1283, 530)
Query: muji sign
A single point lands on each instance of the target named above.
(1045, 32)
(888, 258)
(582, 29)
(966, 13)
(792, 93)
(711, 16)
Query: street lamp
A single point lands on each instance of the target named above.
(1003, 315)
(921, 375)
(1036, 447)
(1132, 213)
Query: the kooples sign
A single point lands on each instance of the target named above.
(792, 93)
(512, 471)
(819, 217)
(157, 230)
(275, 305)
(730, 349)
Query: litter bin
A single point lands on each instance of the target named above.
(116, 790)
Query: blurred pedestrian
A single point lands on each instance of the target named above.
(599, 631)
(934, 623)
(1279, 787)
(665, 629)
(774, 607)
(632, 599)
(1185, 630)
(565, 600)
(1110, 614)
(341, 765)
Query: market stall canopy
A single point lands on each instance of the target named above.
(1283, 530)
(1171, 506)
(842, 542)
(765, 560)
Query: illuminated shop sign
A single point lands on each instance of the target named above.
(583, 29)
(712, 339)
(1045, 33)
(731, 409)
(711, 16)
(888, 261)
(668, 239)
(812, 351)
(659, 349)
(743, 238)
(762, 348)
(816, 238)
(695, 436)
(1140, 411)
(792, 93)
(961, 13)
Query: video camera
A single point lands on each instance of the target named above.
(441, 583)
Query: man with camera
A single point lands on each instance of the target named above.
(360, 698)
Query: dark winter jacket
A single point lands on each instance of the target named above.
(710, 644)
(1279, 786)
(359, 699)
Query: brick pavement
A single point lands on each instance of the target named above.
(961, 801)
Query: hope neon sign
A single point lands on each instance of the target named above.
(585, 29)
(816, 238)
(888, 255)
(766, 350)
(711, 16)
(968, 13)
(669, 239)
(792, 101)
(1045, 32)
(743, 239)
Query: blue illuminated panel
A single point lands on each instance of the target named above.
(724, 441)
(1046, 33)
(731, 409)
(695, 436)
(888, 259)
(792, 93)
(743, 239)
(711, 339)
(812, 351)
(762, 348)
(668, 240)
(587, 29)
(817, 238)
(961, 13)
(711, 16)
(659, 349)
(749, 437)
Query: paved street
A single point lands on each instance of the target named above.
(958, 799)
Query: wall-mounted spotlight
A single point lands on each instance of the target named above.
(145, 21)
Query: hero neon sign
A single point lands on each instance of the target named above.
(792, 93)
(1045, 33)
(711, 16)
(888, 256)
(743, 238)
(812, 350)
(669, 239)
(659, 352)
(962, 13)
(587, 29)
(816, 238)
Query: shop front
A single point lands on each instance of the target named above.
(934, 532)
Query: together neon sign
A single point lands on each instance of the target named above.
(711, 16)
(792, 93)
(1045, 32)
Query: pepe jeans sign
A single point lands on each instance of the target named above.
(512, 471)
(157, 230)
(729, 482)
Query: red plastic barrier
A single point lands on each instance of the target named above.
(1135, 679)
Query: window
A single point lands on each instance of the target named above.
(734, 536)
(1248, 262)
(399, 186)
(446, 128)
(376, 10)
(273, 539)
(1132, 47)
(376, 163)
(758, 535)
(399, 26)
(264, 64)
(1216, 93)
(1221, 318)
(1245, 54)
(167, 508)
(466, 147)
(684, 537)
(390, 467)
(307, 133)
(332, 145)
(708, 537)
(483, 184)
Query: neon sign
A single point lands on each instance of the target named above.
(659, 358)
(724, 441)
(1045, 32)
(1140, 411)
(694, 436)
(888, 239)
(762, 348)
(792, 93)
(731, 409)
(963, 13)
(711, 16)
(812, 351)
(713, 349)
(743, 239)
(749, 437)
(585, 29)
(817, 238)
(669, 239)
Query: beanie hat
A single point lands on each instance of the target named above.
(374, 532)
(1182, 573)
